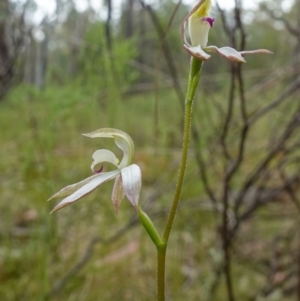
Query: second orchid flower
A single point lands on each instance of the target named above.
(127, 176)
(199, 23)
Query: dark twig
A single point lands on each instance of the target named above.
(228, 118)
(108, 35)
(254, 175)
(202, 167)
(266, 196)
(290, 90)
(290, 191)
(232, 165)
(166, 48)
(291, 29)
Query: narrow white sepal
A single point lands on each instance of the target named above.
(257, 51)
(227, 52)
(87, 188)
(132, 183)
(71, 188)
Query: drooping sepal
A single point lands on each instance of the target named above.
(117, 193)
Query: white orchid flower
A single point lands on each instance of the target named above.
(127, 176)
(199, 24)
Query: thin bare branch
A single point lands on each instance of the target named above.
(292, 88)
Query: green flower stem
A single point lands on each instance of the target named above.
(194, 78)
(161, 244)
(161, 266)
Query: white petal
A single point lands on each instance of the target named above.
(127, 148)
(197, 52)
(200, 11)
(132, 183)
(71, 188)
(227, 52)
(104, 155)
(198, 31)
(122, 140)
(89, 187)
(117, 193)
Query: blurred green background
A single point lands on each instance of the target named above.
(68, 68)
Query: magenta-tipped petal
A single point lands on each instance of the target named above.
(209, 20)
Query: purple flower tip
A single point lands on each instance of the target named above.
(209, 20)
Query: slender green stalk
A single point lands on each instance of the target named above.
(194, 78)
(161, 244)
(161, 266)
